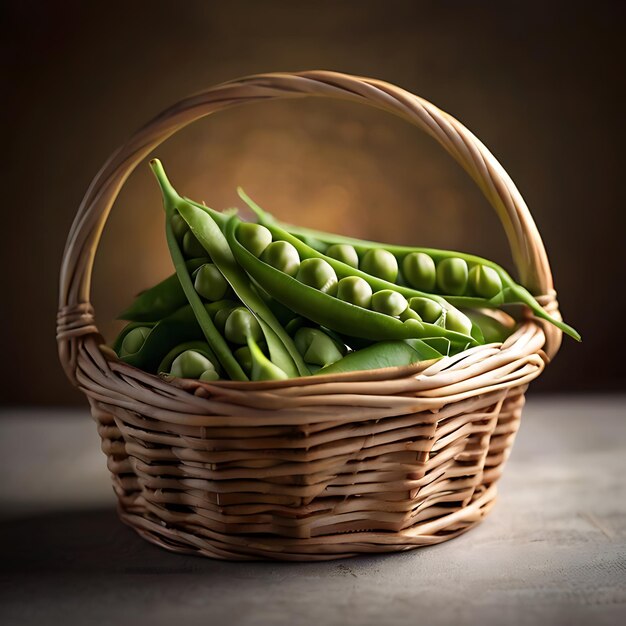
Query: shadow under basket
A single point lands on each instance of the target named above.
(319, 467)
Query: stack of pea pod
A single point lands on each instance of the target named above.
(270, 301)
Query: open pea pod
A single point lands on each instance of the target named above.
(161, 300)
(175, 329)
(383, 354)
(117, 344)
(331, 312)
(198, 346)
(510, 292)
(282, 350)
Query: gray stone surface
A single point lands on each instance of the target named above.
(553, 551)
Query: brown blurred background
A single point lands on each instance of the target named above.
(540, 84)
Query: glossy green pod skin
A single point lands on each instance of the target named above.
(327, 310)
(162, 299)
(206, 227)
(511, 293)
(262, 368)
(383, 354)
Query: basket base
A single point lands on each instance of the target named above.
(217, 545)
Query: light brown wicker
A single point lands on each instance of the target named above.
(312, 468)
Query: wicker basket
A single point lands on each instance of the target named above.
(312, 468)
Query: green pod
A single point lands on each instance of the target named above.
(429, 310)
(484, 281)
(209, 282)
(512, 292)
(382, 355)
(171, 331)
(241, 324)
(283, 256)
(254, 237)
(344, 253)
(161, 300)
(134, 340)
(318, 274)
(117, 344)
(328, 311)
(493, 330)
(420, 271)
(380, 263)
(206, 226)
(316, 347)
(389, 302)
(342, 270)
(190, 364)
(192, 247)
(355, 290)
(262, 368)
(452, 276)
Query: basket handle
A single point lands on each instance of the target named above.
(76, 317)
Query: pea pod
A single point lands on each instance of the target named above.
(162, 299)
(342, 269)
(510, 293)
(262, 368)
(282, 350)
(117, 344)
(171, 331)
(171, 202)
(383, 354)
(328, 311)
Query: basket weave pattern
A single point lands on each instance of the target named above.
(318, 467)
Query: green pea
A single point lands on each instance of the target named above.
(134, 340)
(192, 247)
(452, 276)
(244, 358)
(190, 364)
(210, 283)
(458, 322)
(410, 314)
(241, 324)
(209, 375)
(345, 253)
(420, 271)
(380, 263)
(429, 310)
(283, 256)
(220, 318)
(179, 227)
(254, 237)
(389, 302)
(485, 281)
(317, 347)
(355, 290)
(318, 274)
